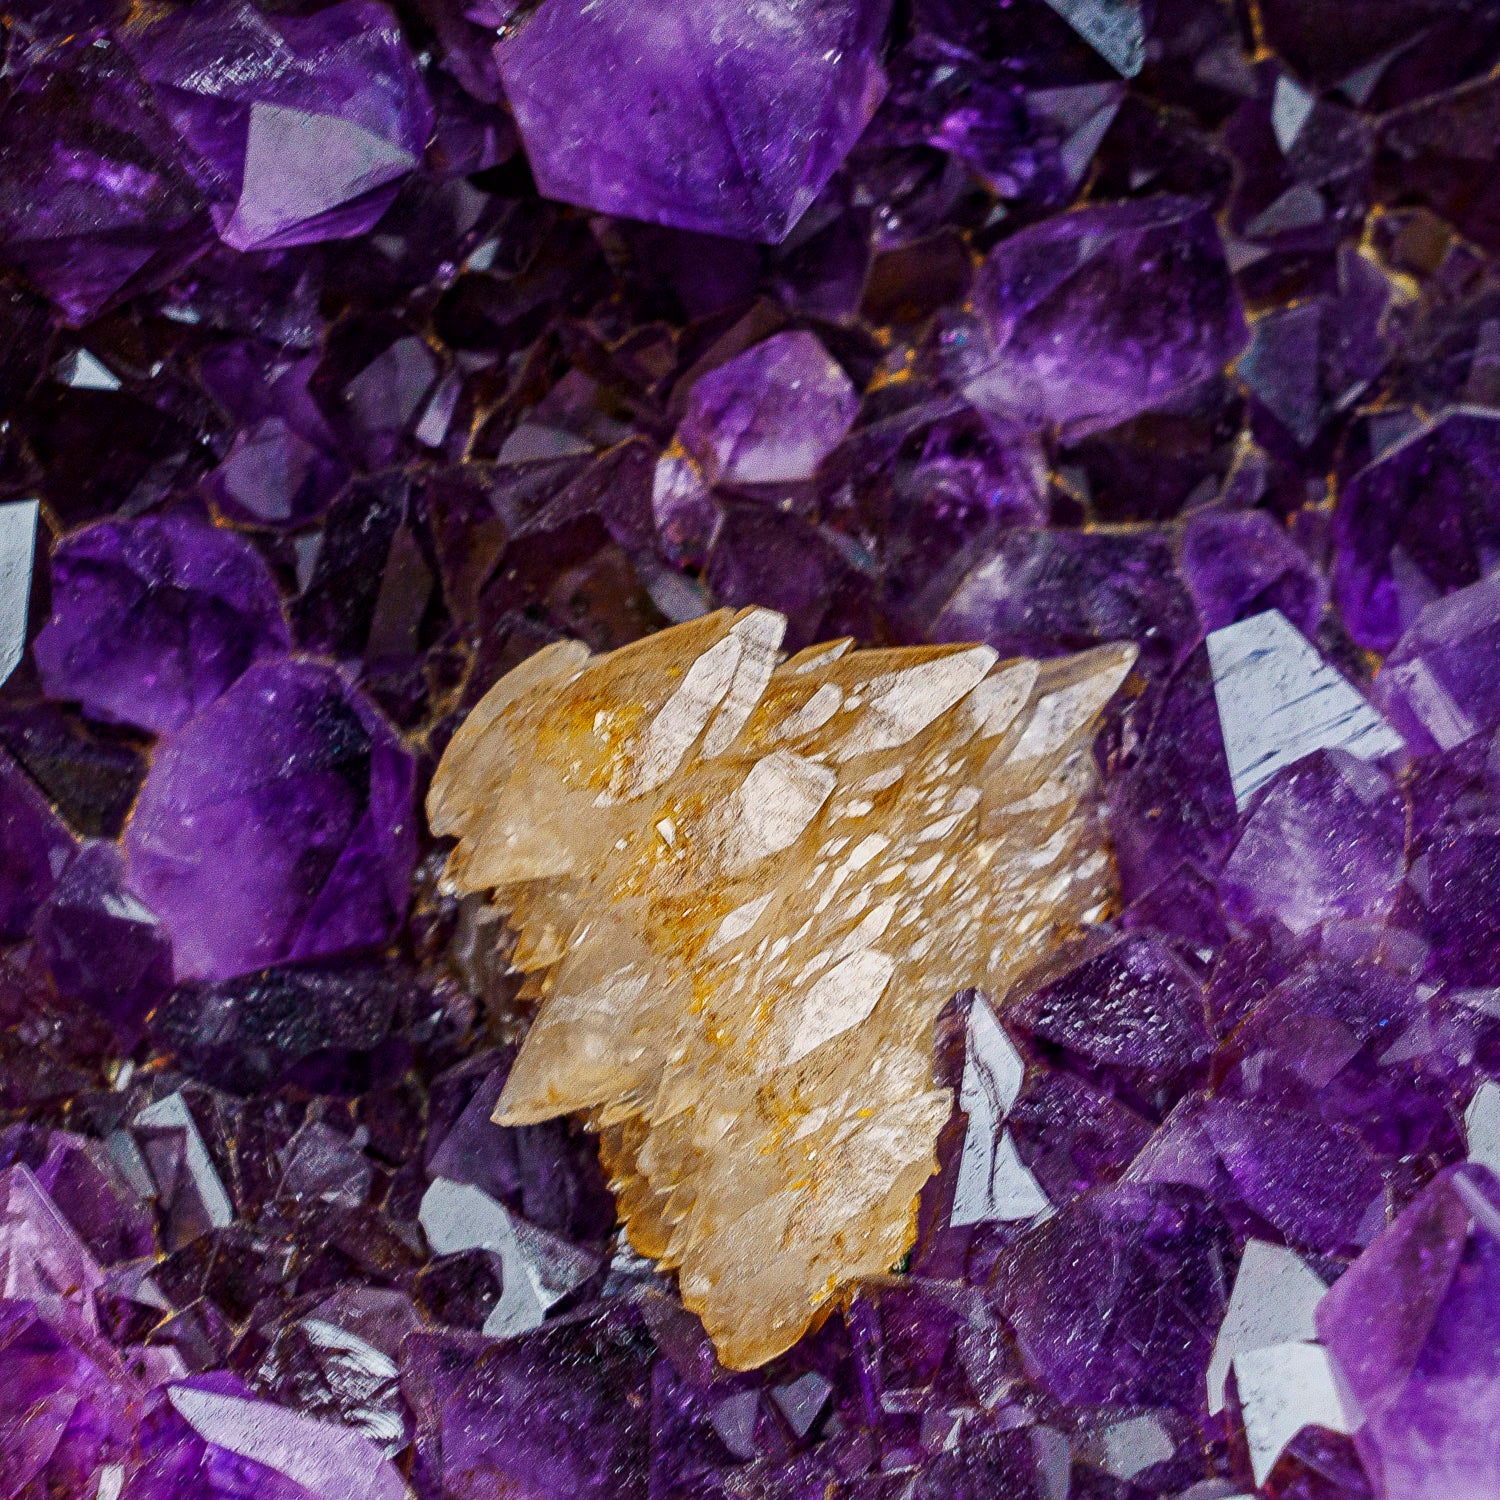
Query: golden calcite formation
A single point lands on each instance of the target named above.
(744, 887)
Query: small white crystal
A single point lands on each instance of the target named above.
(1283, 1389)
(170, 1116)
(1279, 700)
(535, 1270)
(1291, 104)
(1482, 1125)
(84, 372)
(17, 545)
(1274, 1297)
(326, 1459)
(993, 1182)
(1136, 1444)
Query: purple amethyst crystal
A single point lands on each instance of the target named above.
(719, 119)
(1442, 152)
(305, 125)
(1324, 841)
(1090, 318)
(547, 1173)
(101, 945)
(91, 1192)
(275, 826)
(1440, 686)
(1413, 1329)
(70, 1423)
(770, 415)
(1170, 799)
(1114, 1299)
(247, 1033)
(1419, 521)
(283, 468)
(209, 1436)
(152, 619)
(1455, 879)
(533, 319)
(1308, 362)
(1311, 1181)
(95, 199)
(1042, 593)
(1238, 563)
(34, 848)
(1134, 1012)
(555, 1410)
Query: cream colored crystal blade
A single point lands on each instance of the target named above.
(743, 891)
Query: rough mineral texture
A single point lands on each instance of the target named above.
(723, 118)
(743, 889)
(356, 353)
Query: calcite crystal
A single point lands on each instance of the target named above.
(744, 887)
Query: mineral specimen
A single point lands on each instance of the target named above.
(305, 792)
(721, 118)
(154, 618)
(304, 125)
(743, 889)
(353, 351)
(1092, 317)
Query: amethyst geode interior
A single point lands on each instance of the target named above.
(355, 352)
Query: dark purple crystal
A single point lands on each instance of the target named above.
(1418, 522)
(1091, 318)
(726, 121)
(275, 826)
(153, 619)
(304, 125)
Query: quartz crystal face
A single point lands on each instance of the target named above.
(743, 889)
(720, 117)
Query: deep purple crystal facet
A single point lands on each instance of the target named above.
(1088, 319)
(1419, 521)
(720, 118)
(152, 619)
(305, 125)
(1412, 1329)
(275, 826)
(352, 351)
(1325, 840)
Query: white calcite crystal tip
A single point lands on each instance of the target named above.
(744, 885)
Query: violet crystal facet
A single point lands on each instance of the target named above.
(304, 124)
(722, 119)
(153, 619)
(276, 825)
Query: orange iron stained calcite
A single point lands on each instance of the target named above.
(744, 887)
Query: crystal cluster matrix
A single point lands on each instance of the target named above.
(744, 888)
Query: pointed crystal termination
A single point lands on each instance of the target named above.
(719, 117)
(744, 887)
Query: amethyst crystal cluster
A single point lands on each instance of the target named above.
(354, 352)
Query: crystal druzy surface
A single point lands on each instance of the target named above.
(356, 355)
(744, 887)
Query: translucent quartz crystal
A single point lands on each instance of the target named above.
(743, 888)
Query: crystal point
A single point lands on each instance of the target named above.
(722, 118)
(744, 890)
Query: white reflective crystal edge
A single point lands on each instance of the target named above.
(1278, 700)
(1275, 1295)
(456, 1216)
(993, 1182)
(1482, 1125)
(17, 546)
(1283, 1389)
